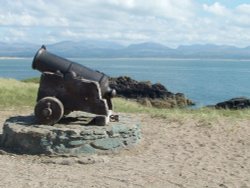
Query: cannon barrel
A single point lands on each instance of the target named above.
(45, 61)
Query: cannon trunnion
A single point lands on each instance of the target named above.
(66, 86)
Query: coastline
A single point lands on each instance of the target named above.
(198, 80)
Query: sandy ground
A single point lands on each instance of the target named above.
(186, 153)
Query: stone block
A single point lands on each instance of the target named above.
(107, 144)
(21, 134)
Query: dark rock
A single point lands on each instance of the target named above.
(2, 152)
(147, 93)
(234, 104)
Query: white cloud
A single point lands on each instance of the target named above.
(243, 9)
(14, 35)
(170, 22)
(125, 4)
(172, 9)
(216, 9)
(242, 15)
(22, 19)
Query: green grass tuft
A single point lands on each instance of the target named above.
(15, 93)
(32, 80)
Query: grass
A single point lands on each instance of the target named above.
(18, 94)
(179, 114)
(32, 80)
(14, 93)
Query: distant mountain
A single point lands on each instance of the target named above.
(107, 49)
(148, 46)
(87, 48)
(213, 51)
(147, 49)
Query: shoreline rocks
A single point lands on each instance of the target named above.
(148, 94)
(234, 104)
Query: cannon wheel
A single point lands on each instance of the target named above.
(49, 110)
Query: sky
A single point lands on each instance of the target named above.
(169, 22)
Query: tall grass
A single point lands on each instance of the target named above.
(32, 80)
(14, 93)
(179, 114)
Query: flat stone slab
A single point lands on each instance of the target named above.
(21, 134)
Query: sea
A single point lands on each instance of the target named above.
(204, 81)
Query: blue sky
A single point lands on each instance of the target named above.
(170, 22)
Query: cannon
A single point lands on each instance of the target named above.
(66, 86)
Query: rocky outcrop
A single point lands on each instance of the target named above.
(234, 104)
(148, 94)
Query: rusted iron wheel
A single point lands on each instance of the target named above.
(49, 110)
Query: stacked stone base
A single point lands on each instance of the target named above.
(21, 134)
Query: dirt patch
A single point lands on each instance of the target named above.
(188, 153)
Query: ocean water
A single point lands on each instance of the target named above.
(204, 81)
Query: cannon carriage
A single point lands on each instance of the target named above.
(66, 86)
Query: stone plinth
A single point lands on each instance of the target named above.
(21, 134)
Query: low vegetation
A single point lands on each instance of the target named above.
(179, 114)
(31, 80)
(19, 94)
(14, 93)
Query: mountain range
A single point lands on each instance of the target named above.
(106, 49)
